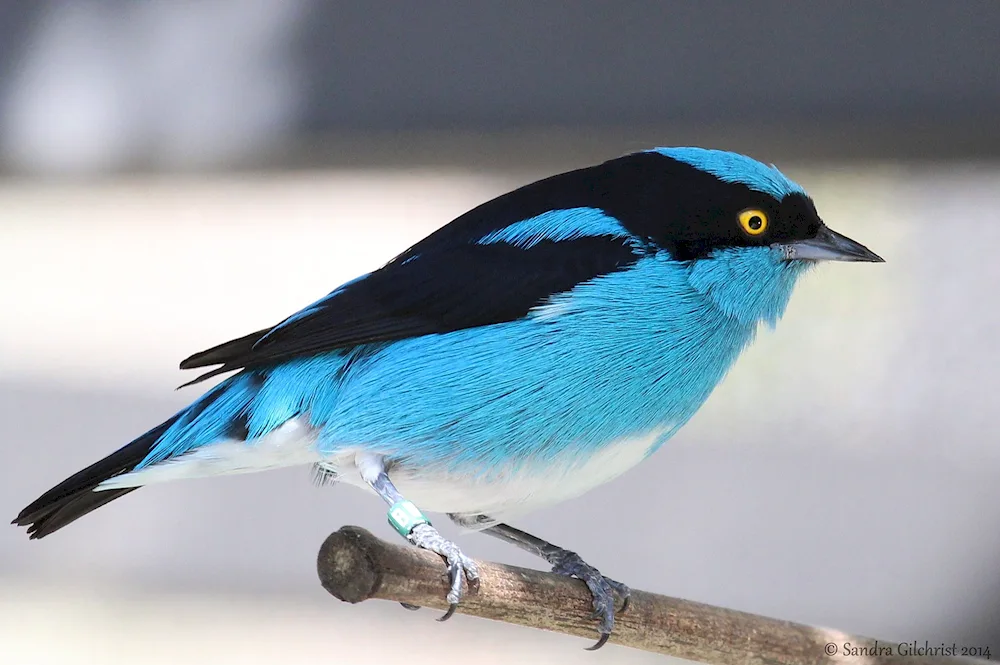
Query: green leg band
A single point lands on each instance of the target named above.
(403, 516)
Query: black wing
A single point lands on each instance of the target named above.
(466, 286)
(451, 280)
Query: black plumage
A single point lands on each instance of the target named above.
(449, 282)
(74, 497)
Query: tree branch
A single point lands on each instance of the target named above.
(354, 566)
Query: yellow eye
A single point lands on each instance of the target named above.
(753, 221)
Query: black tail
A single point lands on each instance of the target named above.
(75, 496)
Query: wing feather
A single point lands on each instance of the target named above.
(465, 287)
(491, 265)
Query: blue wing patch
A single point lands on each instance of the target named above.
(735, 168)
(558, 225)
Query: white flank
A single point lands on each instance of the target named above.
(564, 477)
(291, 444)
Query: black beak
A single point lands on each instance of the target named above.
(829, 246)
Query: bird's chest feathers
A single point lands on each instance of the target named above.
(654, 341)
(643, 350)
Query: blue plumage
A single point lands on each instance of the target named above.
(205, 421)
(510, 398)
(505, 396)
(735, 168)
(558, 225)
(539, 345)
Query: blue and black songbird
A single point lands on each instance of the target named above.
(539, 345)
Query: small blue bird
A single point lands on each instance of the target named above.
(539, 345)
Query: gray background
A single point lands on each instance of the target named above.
(174, 175)
(116, 84)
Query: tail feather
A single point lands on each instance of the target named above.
(75, 497)
(71, 509)
(229, 411)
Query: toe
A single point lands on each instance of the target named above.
(471, 573)
(603, 602)
(455, 578)
(471, 569)
(459, 567)
(622, 591)
(602, 589)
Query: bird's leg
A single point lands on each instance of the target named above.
(407, 519)
(563, 562)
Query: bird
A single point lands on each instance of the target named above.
(532, 349)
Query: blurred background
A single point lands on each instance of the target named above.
(173, 175)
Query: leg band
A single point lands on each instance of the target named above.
(404, 515)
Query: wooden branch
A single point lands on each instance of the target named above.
(354, 566)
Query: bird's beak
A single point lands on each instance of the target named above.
(829, 246)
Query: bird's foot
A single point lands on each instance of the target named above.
(602, 589)
(427, 537)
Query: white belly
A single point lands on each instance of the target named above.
(504, 495)
(294, 443)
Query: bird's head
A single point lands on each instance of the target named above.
(747, 230)
(712, 200)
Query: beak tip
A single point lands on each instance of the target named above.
(829, 245)
(869, 256)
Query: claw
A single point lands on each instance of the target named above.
(407, 606)
(600, 643)
(460, 566)
(602, 590)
